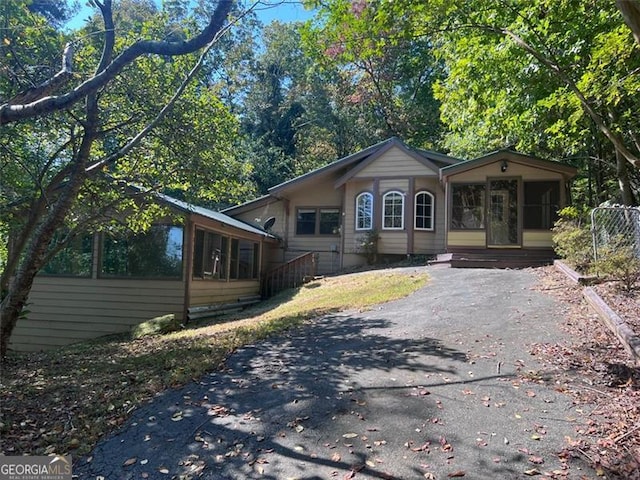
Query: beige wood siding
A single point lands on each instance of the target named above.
(320, 194)
(401, 185)
(392, 243)
(207, 292)
(537, 239)
(426, 242)
(474, 238)
(353, 260)
(259, 215)
(68, 310)
(395, 163)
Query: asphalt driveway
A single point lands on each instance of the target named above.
(440, 383)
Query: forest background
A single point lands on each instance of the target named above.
(249, 105)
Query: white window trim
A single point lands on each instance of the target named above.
(364, 194)
(384, 200)
(415, 215)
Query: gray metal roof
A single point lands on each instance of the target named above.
(212, 215)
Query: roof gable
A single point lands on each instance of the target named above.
(510, 156)
(331, 167)
(380, 153)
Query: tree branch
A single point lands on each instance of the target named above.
(161, 114)
(49, 86)
(615, 139)
(12, 112)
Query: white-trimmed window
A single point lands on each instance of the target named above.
(424, 203)
(393, 211)
(364, 211)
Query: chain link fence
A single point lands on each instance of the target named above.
(615, 228)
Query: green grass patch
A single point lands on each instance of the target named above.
(64, 401)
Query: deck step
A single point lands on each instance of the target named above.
(491, 258)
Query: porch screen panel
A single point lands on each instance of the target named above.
(74, 260)
(467, 210)
(247, 259)
(541, 204)
(209, 255)
(153, 254)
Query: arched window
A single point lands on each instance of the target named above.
(424, 211)
(393, 211)
(364, 211)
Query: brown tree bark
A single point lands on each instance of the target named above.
(630, 10)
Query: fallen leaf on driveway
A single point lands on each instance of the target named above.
(459, 473)
(130, 462)
(532, 471)
(336, 457)
(536, 460)
(350, 435)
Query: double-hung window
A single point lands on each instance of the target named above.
(318, 221)
(393, 211)
(424, 203)
(364, 211)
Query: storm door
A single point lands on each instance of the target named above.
(502, 213)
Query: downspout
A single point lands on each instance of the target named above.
(377, 206)
(285, 247)
(447, 205)
(409, 216)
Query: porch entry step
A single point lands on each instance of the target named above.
(496, 258)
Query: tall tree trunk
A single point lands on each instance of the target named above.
(19, 287)
(33, 257)
(630, 10)
(622, 172)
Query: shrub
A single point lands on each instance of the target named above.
(368, 246)
(572, 238)
(618, 262)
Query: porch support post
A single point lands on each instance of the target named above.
(377, 205)
(409, 214)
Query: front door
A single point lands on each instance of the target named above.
(503, 213)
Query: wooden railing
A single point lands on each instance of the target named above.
(290, 275)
